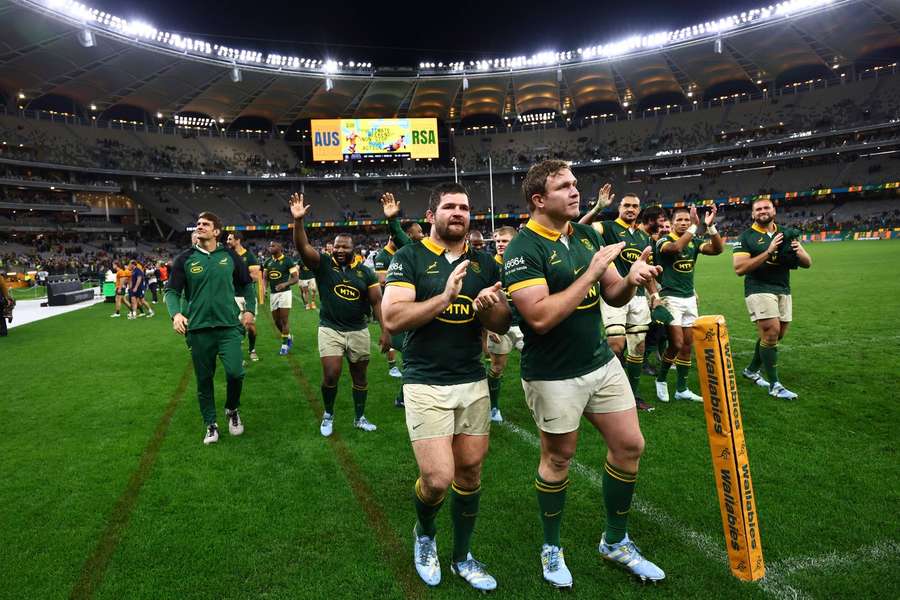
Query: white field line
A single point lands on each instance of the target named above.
(806, 345)
(774, 583)
(711, 548)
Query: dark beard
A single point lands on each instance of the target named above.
(444, 232)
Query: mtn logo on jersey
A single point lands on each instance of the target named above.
(275, 275)
(593, 296)
(460, 312)
(346, 292)
(630, 255)
(196, 268)
(684, 266)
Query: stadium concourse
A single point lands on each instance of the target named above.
(124, 146)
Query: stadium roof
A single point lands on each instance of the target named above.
(43, 52)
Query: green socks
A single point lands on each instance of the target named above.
(252, 338)
(682, 368)
(463, 511)
(359, 400)
(769, 357)
(425, 513)
(551, 498)
(328, 396)
(494, 380)
(664, 367)
(284, 339)
(755, 362)
(618, 489)
(633, 365)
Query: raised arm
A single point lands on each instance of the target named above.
(391, 209)
(604, 199)
(678, 245)
(715, 245)
(309, 255)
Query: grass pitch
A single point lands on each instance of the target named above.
(108, 492)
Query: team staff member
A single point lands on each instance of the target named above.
(209, 276)
(235, 241)
(677, 255)
(767, 290)
(281, 272)
(626, 326)
(382, 260)
(442, 293)
(556, 272)
(348, 290)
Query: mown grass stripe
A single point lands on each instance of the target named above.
(94, 568)
(395, 554)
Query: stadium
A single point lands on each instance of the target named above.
(132, 155)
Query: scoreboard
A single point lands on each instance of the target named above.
(357, 139)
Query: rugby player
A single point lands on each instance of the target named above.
(476, 240)
(766, 268)
(656, 223)
(348, 290)
(631, 322)
(207, 277)
(556, 271)
(308, 288)
(677, 254)
(500, 345)
(136, 290)
(442, 292)
(123, 280)
(281, 272)
(235, 241)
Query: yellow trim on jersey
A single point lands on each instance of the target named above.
(376, 284)
(527, 283)
(623, 223)
(759, 229)
(498, 259)
(741, 254)
(387, 248)
(546, 232)
(294, 269)
(433, 246)
(401, 284)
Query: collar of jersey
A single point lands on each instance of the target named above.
(242, 253)
(356, 260)
(498, 259)
(673, 237)
(756, 227)
(623, 223)
(199, 249)
(546, 232)
(437, 248)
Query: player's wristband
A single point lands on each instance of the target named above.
(692, 230)
(712, 230)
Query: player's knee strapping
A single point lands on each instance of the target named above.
(635, 336)
(615, 329)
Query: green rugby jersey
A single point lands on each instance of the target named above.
(635, 240)
(447, 350)
(769, 278)
(539, 256)
(344, 292)
(251, 260)
(516, 317)
(278, 270)
(306, 272)
(677, 278)
(383, 259)
(203, 285)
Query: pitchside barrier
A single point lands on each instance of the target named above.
(731, 465)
